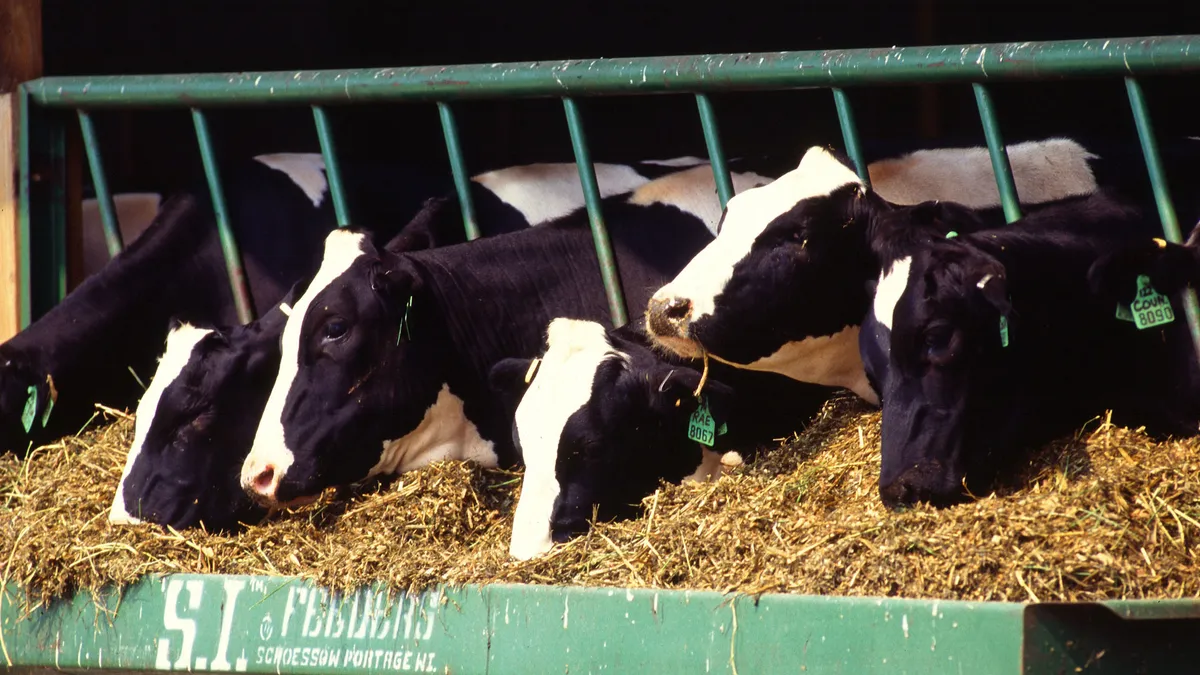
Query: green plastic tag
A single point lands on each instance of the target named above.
(701, 426)
(404, 329)
(951, 234)
(30, 409)
(1003, 331)
(46, 414)
(1150, 308)
(1124, 313)
(723, 429)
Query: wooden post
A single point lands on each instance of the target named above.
(20, 60)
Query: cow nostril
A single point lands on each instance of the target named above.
(678, 308)
(264, 479)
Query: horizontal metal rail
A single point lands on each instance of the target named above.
(1117, 57)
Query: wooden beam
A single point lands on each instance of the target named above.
(20, 60)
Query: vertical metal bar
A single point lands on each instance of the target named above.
(716, 154)
(333, 170)
(591, 197)
(998, 153)
(850, 133)
(1162, 194)
(104, 199)
(459, 168)
(233, 259)
(24, 206)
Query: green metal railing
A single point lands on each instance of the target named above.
(697, 75)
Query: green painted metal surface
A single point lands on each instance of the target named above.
(229, 248)
(716, 153)
(998, 153)
(272, 624)
(850, 133)
(333, 170)
(591, 197)
(104, 200)
(1162, 194)
(458, 167)
(712, 72)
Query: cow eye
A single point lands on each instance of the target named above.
(335, 328)
(939, 344)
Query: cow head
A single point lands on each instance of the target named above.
(196, 422)
(599, 427)
(783, 287)
(948, 400)
(25, 400)
(342, 389)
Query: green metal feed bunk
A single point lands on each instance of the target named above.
(276, 624)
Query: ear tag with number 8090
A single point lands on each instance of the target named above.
(1150, 308)
(701, 426)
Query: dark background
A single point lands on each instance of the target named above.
(155, 150)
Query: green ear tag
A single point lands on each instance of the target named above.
(30, 409)
(951, 234)
(701, 426)
(404, 329)
(724, 429)
(1124, 313)
(1150, 308)
(1003, 331)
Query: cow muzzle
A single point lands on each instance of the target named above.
(926, 482)
(261, 480)
(668, 320)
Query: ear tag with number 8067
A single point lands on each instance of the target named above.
(701, 426)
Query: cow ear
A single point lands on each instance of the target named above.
(430, 227)
(511, 376)
(943, 217)
(393, 278)
(995, 291)
(1171, 267)
(174, 323)
(675, 387)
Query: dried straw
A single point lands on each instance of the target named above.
(1108, 514)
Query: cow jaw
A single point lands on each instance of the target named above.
(692, 294)
(830, 360)
(444, 433)
(270, 456)
(180, 343)
(562, 385)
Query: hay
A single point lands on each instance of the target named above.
(1106, 515)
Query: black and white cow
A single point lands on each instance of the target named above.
(196, 422)
(989, 344)
(84, 349)
(606, 418)
(786, 285)
(386, 356)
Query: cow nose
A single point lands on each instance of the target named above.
(668, 316)
(263, 483)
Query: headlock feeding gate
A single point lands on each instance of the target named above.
(265, 624)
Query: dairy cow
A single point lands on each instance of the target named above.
(197, 419)
(786, 285)
(606, 418)
(986, 345)
(385, 358)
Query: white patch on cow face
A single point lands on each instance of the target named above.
(708, 470)
(892, 283)
(562, 385)
(746, 216)
(543, 192)
(694, 191)
(306, 169)
(1045, 170)
(342, 248)
(444, 433)
(831, 360)
(676, 161)
(180, 343)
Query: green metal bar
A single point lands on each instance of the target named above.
(850, 133)
(1162, 193)
(458, 167)
(716, 154)
(104, 200)
(233, 259)
(333, 170)
(591, 197)
(24, 208)
(671, 74)
(998, 153)
(47, 209)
